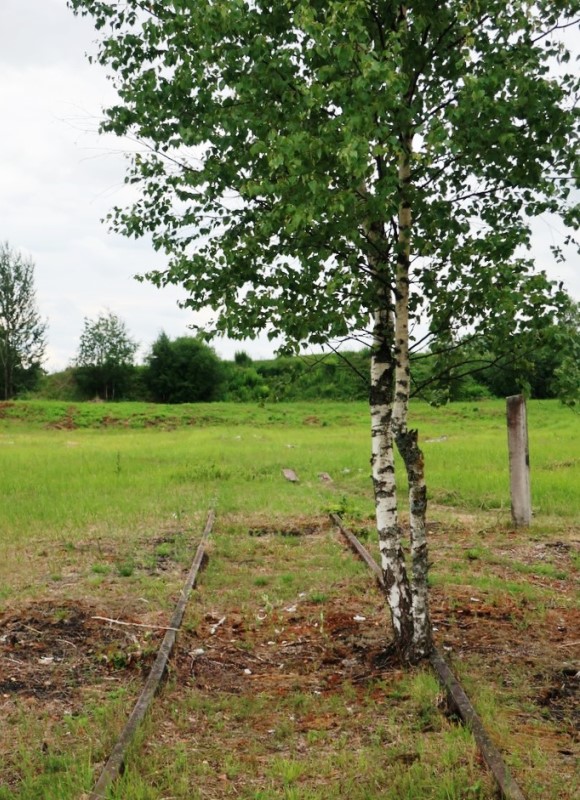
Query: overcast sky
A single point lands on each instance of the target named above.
(58, 179)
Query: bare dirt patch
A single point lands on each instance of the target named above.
(303, 647)
(66, 423)
(560, 695)
(502, 632)
(51, 650)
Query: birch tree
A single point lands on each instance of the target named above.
(324, 170)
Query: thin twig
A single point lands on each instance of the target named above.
(14, 660)
(136, 624)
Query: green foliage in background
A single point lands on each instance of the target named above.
(541, 363)
(183, 370)
(324, 377)
(104, 362)
(22, 331)
(543, 366)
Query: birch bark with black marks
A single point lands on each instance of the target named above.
(407, 440)
(396, 581)
(381, 400)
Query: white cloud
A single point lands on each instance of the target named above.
(59, 178)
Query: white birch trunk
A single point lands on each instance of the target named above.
(383, 473)
(407, 441)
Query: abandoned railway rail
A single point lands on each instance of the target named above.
(116, 760)
(457, 698)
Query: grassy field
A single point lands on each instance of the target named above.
(290, 696)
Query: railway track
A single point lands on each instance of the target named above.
(116, 760)
(457, 698)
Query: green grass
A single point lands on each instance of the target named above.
(103, 508)
(236, 453)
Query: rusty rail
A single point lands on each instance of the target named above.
(457, 697)
(114, 765)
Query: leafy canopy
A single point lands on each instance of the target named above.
(275, 131)
(105, 341)
(104, 362)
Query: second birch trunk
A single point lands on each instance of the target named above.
(407, 440)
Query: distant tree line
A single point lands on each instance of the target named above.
(543, 362)
(187, 370)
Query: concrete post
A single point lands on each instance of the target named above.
(519, 460)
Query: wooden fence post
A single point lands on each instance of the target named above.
(519, 460)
